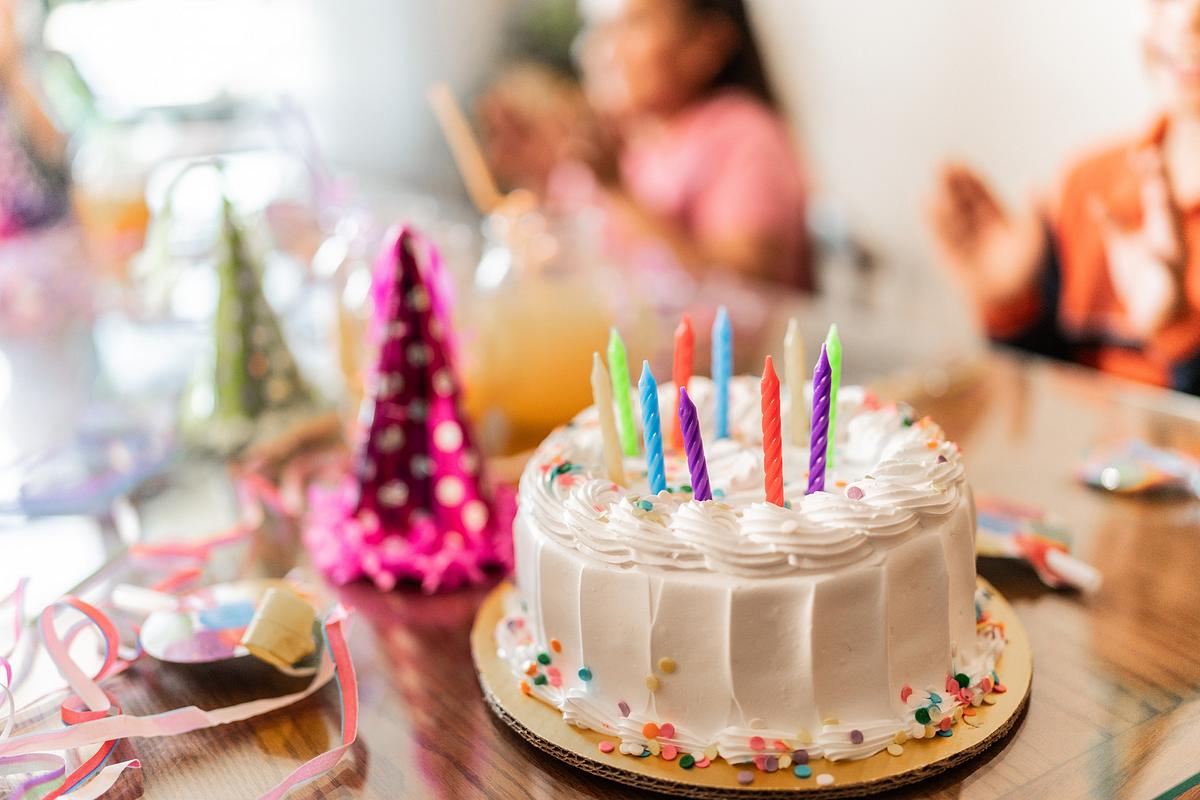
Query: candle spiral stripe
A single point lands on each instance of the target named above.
(722, 368)
(818, 440)
(694, 447)
(772, 435)
(652, 430)
(618, 364)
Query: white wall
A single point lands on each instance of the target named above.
(882, 91)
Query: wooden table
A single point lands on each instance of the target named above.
(1116, 700)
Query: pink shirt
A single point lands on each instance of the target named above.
(724, 168)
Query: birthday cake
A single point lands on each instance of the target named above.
(829, 624)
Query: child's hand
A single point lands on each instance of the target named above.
(1145, 263)
(997, 254)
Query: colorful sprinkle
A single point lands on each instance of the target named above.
(760, 761)
(935, 698)
(803, 736)
(543, 658)
(645, 754)
(856, 736)
(606, 747)
(922, 716)
(688, 761)
(824, 779)
(945, 723)
(802, 771)
(645, 505)
(758, 723)
(800, 756)
(531, 668)
(585, 674)
(901, 737)
(830, 721)
(540, 680)
(757, 743)
(986, 685)
(780, 745)
(669, 751)
(650, 730)
(745, 777)
(895, 749)
(703, 763)
(772, 763)
(963, 680)
(666, 665)
(945, 733)
(666, 730)
(710, 752)
(623, 707)
(998, 689)
(785, 761)
(654, 747)
(969, 712)
(525, 690)
(854, 493)
(652, 683)
(556, 645)
(556, 681)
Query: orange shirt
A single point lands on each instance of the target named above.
(1077, 293)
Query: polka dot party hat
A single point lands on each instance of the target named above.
(411, 506)
(249, 388)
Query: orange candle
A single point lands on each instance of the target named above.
(772, 435)
(681, 373)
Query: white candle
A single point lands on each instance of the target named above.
(603, 398)
(793, 373)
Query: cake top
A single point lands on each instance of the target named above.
(890, 472)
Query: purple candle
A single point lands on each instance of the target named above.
(822, 380)
(693, 445)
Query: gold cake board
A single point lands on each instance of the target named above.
(543, 727)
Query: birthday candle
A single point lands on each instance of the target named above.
(681, 372)
(694, 446)
(652, 430)
(722, 368)
(834, 345)
(820, 423)
(793, 374)
(619, 364)
(772, 435)
(602, 396)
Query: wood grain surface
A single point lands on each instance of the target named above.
(1115, 710)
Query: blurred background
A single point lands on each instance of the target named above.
(312, 121)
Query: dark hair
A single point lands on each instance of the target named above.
(745, 68)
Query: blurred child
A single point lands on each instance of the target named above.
(684, 141)
(32, 184)
(1112, 277)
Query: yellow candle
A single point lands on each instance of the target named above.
(602, 396)
(793, 373)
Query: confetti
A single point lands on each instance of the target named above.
(856, 737)
(703, 763)
(922, 716)
(666, 730)
(711, 752)
(745, 777)
(963, 680)
(688, 761)
(895, 749)
(525, 690)
(771, 763)
(543, 658)
(666, 665)
(540, 680)
(802, 771)
(854, 493)
(945, 733)
(824, 779)
(654, 747)
(606, 747)
(650, 730)
(757, 743)
(669, 751)
(556, 645)
(585, 674)
(785, 761)
(800, 756)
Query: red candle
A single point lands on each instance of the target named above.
(772, 435)
(681, 373)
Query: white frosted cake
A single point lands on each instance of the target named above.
(831, 628)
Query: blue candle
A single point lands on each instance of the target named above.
(652, 430)
(722, 368)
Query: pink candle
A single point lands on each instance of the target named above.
(772, 435)
(681, 373)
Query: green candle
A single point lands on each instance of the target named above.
(833, 347)
(618, 366)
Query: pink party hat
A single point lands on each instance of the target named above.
(411, 506)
